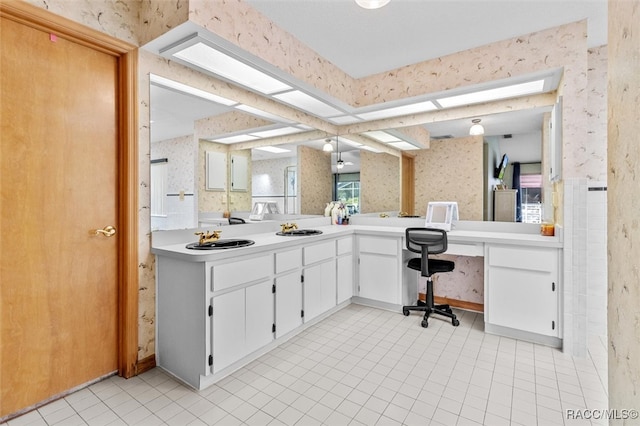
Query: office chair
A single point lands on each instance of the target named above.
(236, 220)
(428, 241)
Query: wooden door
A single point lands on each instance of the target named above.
(59, 180)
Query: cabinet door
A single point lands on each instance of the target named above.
(345, 278)
(522, 292)
(228, 329)
(259, 316)
(319, 289)
(288, 303)
(378, 278)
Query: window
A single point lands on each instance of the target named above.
(347, 189)
(531, 187)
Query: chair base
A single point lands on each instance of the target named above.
(429, 308)
(443, 310)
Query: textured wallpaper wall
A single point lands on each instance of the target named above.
(451, 170)
(314, 180)
(379, 182)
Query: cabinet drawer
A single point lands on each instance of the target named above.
(318, 252)
(345, 245)
(534, 259)
(243, 271)
(388, 246)
(288, 260)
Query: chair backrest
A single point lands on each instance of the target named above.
(428, 240)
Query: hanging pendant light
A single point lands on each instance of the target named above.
(476, 129)
(372, 4)
(327, 147)
(339, 163)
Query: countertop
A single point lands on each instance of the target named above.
(269, 241)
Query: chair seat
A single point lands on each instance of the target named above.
(435, 265)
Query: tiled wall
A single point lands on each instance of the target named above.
(597, 259)
(180, 211)
(268, 181)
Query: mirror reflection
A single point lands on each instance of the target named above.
(192, 170)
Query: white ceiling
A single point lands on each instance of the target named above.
(364, 42)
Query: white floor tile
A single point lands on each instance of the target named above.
(361, 366)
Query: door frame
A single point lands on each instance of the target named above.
(127, 197)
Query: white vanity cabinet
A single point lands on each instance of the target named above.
(243, 318)
(522, 292)
(344, 260)
(288, 287)
(319, 278)
(379, 274)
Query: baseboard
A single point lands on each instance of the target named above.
(462, 304)
(145, 364)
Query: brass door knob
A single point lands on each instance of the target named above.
(107, 231)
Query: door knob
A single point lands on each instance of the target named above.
(108, 231)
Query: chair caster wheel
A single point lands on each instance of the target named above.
(424, 324)
(405, 312)
(455, 322)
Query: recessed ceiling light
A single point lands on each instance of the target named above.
(308, 103)
(210, 59)
(235, 139)
(398, 111)
(405, 146)
(344, 119)
(276, 132)
(381, 136)
(273, 149)
(170, 84)
(505, 92)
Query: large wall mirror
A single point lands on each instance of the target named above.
(186, 126)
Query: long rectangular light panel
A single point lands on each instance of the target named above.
(398, 111)
(263, 114)
(210, 59)
(276, 132)
(307, 103)
(273, 149)
(236, 139)
(505, 92)
(405, 146)
(381, 136)
(171, 84)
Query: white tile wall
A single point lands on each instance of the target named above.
(597, 259)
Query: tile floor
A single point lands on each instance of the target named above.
(362, 366)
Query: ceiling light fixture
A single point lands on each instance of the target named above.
(339, 163)
(372, 4)
(476, 129)
(327, 145)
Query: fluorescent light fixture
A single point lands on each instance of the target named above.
(398, 111)
(235, 139)
(381, 136)
(372, 4)
(273, 149)
(276, 132)
(170, 84)
(263, 114)
(344, 119)
(210, 59)
(505, 92)
(405, 146)
(308, 103)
